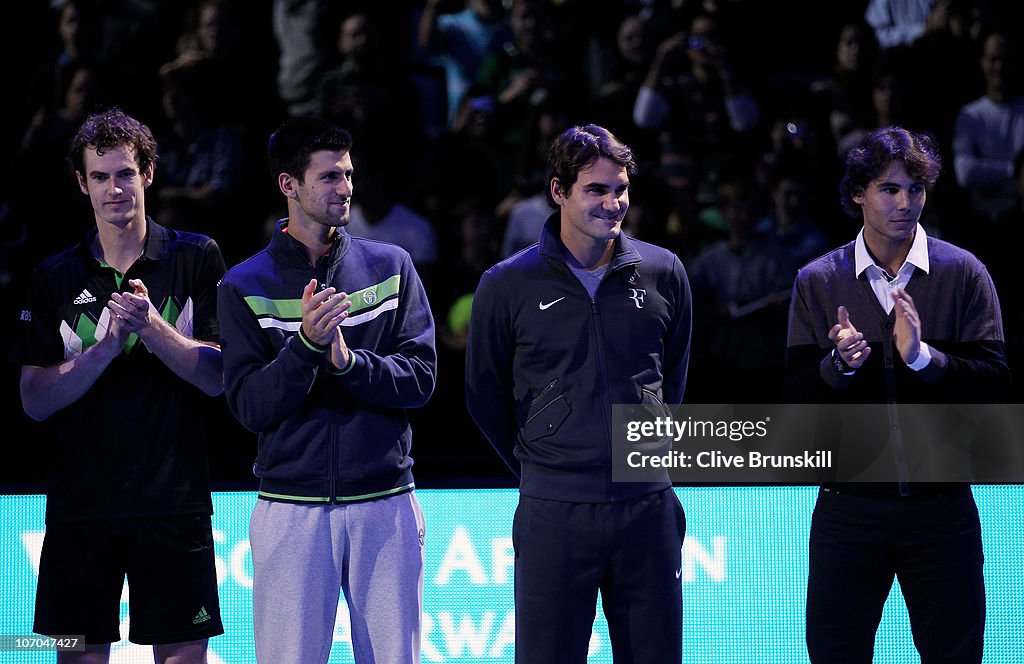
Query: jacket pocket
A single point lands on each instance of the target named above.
(546, 420)
(653, 404)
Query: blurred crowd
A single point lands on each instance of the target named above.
(739, 112)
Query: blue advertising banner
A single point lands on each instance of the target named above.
(744, 578)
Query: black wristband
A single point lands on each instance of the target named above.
(839, 365)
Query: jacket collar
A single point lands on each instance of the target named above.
(287, 249)
(551, 245)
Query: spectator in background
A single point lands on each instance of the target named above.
(889, 98)
(44, 146)
(469, 248)
(888, 106)
(626, 54)
(211, 32)
(942, 68)
(299, 33)
(521, 70)
(683, 220)
(472, 139)
(897, 23)
(525, 220)
(378, 215)
(458, 41)
(703, 113)
(79, 35)
(220, 56)
(369, 92)
(741, 288)
(796, 141)
(360, 50)
(844, 97)
(215, 33)
(791, 221)
(123, 40)
(203, 158)
(526, 207)
(626, 66)
(116, 39)
(989, 131)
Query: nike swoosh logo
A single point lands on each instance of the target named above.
(544, 306)
(679, 572)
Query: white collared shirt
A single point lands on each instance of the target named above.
(883, 286)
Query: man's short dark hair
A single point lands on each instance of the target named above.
(577, 148)
(111, 129)
(292, 145)
(867, 161)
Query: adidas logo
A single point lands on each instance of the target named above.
(85, 297)
(201, 617)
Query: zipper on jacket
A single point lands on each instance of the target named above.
(595, 327)
(602, 369)
(547, 389)
(330, 461)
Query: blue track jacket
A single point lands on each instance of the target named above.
(327, 436)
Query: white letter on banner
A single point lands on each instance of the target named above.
(466, 634)
(504, 559)
(460, 555)
(714, 565)
(505, 638)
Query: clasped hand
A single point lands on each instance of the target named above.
(322, 315)
(130, 312)
(854, 349)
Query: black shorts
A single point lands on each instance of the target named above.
(172, 579)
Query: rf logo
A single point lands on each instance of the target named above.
(638, 297)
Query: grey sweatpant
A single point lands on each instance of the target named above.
(303, 555)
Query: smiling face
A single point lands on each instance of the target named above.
(115, 185)
(892, 204)
(593, 207)
(324, 196)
